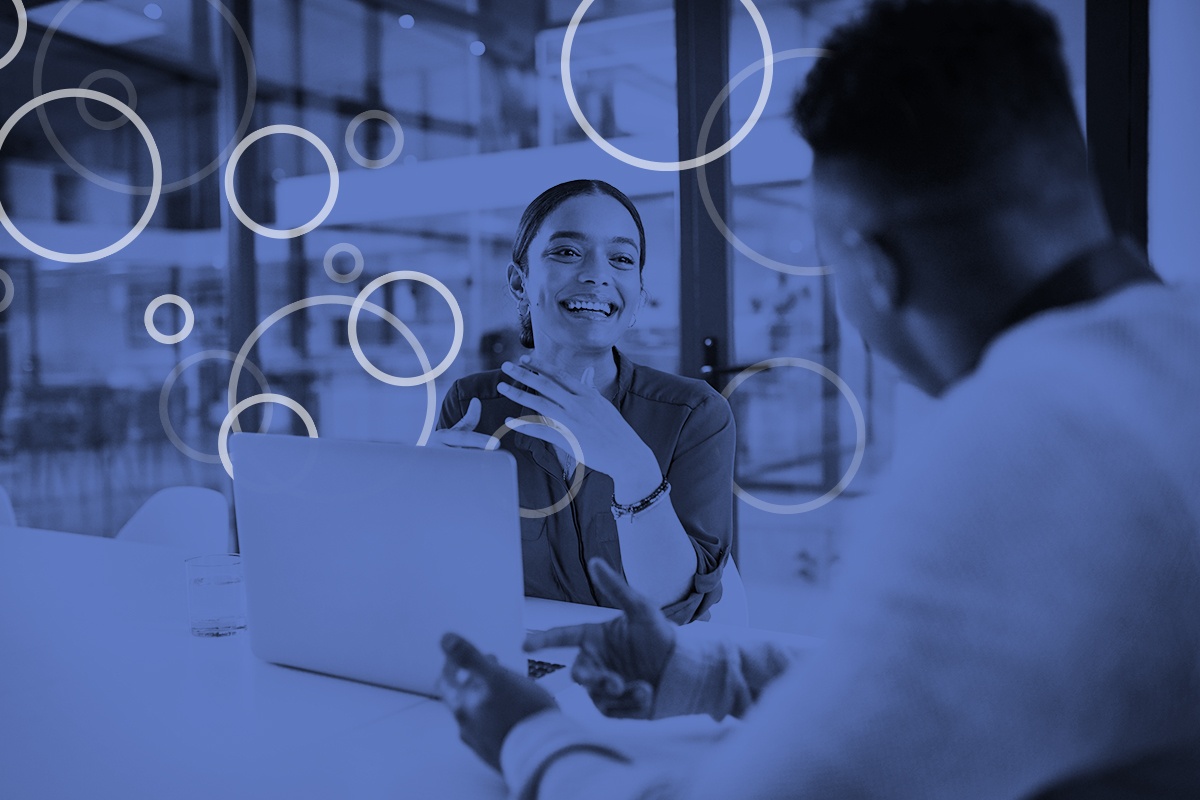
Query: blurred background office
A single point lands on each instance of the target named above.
(96, 414)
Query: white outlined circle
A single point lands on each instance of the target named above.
(330, 199)
(126, 84)
(344, 277)
(164, 398)
(342, 300)
(9, 290)
(860, 442)
(374, 163)
(155, 163)
(702, 178)
(199, 175)
(189, 319)
(576, 451)
(256, 400)
(22, 29)
(666, 166)
(429, 374)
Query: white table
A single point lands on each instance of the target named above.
(105, 693)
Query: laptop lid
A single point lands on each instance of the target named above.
(358, 556)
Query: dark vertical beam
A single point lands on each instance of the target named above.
(241, 271)
(297, 269)
(1118, 77)
(831, 397)
(702, 35)
(702, 31)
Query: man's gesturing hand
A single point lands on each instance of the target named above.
(620, 662)
(487, 699)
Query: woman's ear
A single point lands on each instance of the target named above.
(516, 282)
(643, 298)
(885, 272)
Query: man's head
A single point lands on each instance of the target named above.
(950, 173)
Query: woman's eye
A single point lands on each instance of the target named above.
(565, 252)
(623, 261)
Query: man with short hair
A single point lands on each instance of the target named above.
(1020, 615)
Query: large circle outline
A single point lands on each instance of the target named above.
(155, 164)
(429, 374)
(702, 177)
(397, 132)
(126, 84)
(164, 399)
(22, 30)
(203, 172)
(189, 319)
(9, 290)
(353, 252)
(330, 198)
(257, 400)
(576, 451)
(860, 443)
(665, 166)
(327, 300)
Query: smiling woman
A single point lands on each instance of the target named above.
(655, 501)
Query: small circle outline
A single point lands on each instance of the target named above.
(397, 132)
(189, 319)
(353, 252)
(860, 424)
(155, 165)
(9, 290)
(330, 198)
(665, 166)
(429, 374)
(126, 84)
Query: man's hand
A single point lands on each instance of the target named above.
(620, 662)
(487, 700)
(463, 433)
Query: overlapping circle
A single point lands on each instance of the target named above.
(164, 398)
(860, 442)
(429, 374)
(576, 451)
(202, 173)
(256, 400)
(393, 154)
(189, 319)
(666, 166)
(333, 299)
(702, 178)
(155, 163)
(330, 199)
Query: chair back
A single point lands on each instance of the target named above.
(190, 518)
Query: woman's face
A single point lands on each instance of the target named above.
(583, 284)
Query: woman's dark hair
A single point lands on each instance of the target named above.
(543, 206)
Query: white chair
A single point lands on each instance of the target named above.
(191, 518)
(732, 608)
(7, 515)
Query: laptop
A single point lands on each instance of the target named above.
(358, 556)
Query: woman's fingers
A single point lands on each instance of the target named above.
(539, 403)
(545, 384)
(471, 418)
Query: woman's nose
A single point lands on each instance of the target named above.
(593, 269)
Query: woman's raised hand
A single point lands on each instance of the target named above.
(609, 445)
(463, 433)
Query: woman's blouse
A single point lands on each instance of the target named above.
(688, 426)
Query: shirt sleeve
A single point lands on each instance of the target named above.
(701, 478)
(453, 407)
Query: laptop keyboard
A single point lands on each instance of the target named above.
(537, 669)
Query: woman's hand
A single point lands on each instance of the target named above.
(463, 433)
(609, 445)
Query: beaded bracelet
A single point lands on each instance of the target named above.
(619, 510)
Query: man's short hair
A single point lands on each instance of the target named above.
(930, 91)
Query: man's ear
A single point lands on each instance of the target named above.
(886, 272)
(516, 282)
